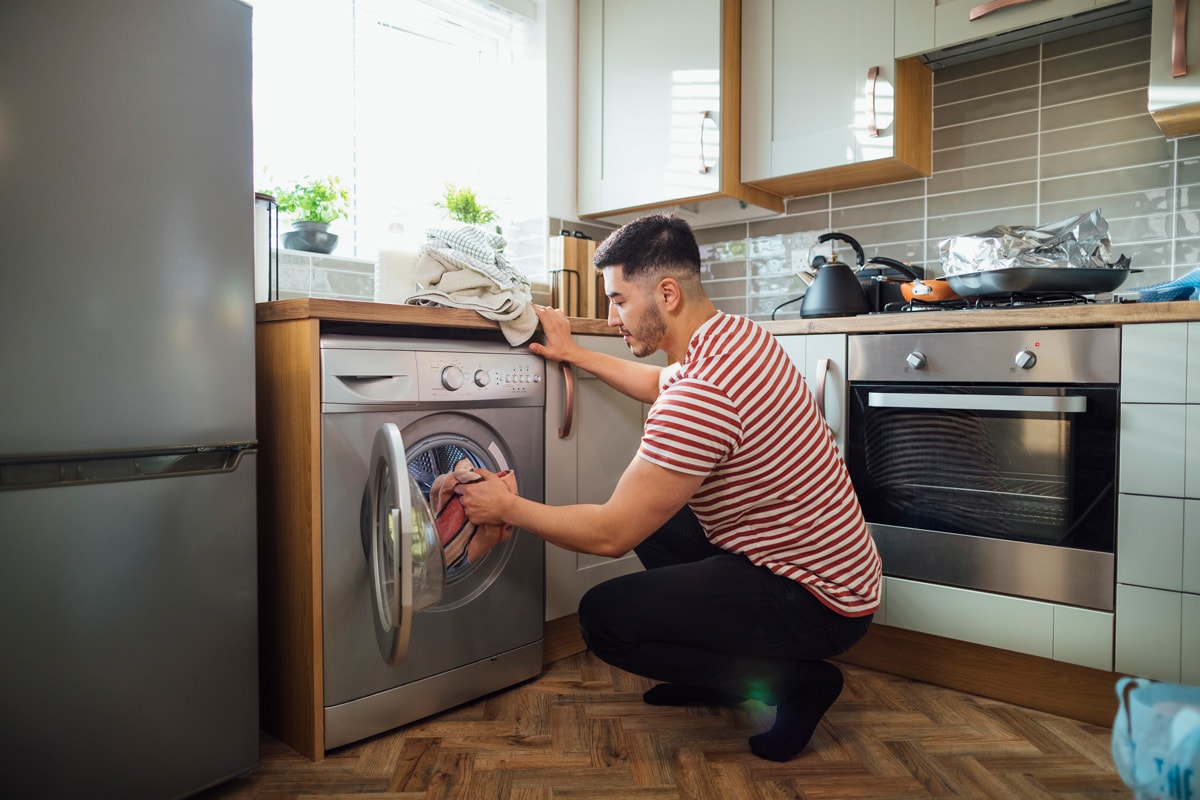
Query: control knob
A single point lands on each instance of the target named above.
(452, 378)
(916, 359)
(482, 378)
(1026, 359)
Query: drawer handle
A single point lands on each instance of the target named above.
(1179, 40)
(822, 379)
(979, 12)
(705, 168)
(872, 80)
(564, 430)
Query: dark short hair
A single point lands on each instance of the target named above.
(649, 244)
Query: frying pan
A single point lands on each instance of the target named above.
(1039, 280)
(930, 291)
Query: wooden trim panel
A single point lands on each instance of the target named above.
(289, 534)
(1057, 687)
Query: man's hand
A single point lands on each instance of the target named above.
(485, 500)
(557, 330)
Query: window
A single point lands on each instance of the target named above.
(400, 98)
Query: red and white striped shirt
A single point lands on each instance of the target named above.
(738, 411)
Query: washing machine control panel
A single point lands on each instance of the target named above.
(458, 376)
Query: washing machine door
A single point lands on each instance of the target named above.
(407, 569)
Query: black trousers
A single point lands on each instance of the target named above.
(701, 616)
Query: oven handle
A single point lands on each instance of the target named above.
(979, 402)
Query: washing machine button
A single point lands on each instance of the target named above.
(482, 378)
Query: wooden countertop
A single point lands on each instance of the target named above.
(392, 314)
(1094, 315)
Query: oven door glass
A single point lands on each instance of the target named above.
(1032, 464)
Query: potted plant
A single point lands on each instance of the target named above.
(462, 206)
(313, 203)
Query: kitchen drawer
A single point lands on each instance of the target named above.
(1150, 541)
(1152, 449)
(1149, 628)
(1189, 655)
(1154, 364)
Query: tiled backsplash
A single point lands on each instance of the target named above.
(303, 274)
(1024, 138)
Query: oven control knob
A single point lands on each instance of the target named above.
(482, 378)
(916, 359)
(1026, 359)
(452, 378)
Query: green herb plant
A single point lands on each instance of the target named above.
(322, 199)
(462, 206)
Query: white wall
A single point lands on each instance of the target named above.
(562, 45)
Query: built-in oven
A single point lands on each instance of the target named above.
(988, 460)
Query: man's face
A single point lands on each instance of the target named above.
(633, 309)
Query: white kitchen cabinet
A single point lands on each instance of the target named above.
(584, 466)
(1174, 94)
(1063, 633)
(1158, 519)
(822, 361)
(821, 118)
(659, 111)
(926, 25)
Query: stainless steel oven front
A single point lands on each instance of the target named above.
(988, 459)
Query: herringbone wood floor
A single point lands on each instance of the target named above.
(580, 730)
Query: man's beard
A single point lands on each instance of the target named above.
(649, 335)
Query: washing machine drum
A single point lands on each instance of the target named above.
(408, 572)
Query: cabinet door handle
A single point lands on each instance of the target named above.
(705, 168)
(873, 122)
(978, 12)
(822, 379)
(1179, 40)
(564, 430)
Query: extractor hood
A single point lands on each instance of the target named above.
(1106, 17)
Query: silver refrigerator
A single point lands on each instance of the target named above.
(128, 612)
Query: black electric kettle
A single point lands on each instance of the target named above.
(835, 291)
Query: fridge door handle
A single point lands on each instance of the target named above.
(110, 466)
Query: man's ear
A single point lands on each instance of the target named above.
(670, 292)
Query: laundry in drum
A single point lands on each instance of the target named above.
(464, 542)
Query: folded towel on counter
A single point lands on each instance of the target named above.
(465, 268)
(464, 542)
(1186, 287)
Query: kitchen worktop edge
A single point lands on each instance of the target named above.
(1097, 314)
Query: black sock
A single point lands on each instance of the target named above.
(797, 716)
(675, 694)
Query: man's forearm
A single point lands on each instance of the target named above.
(581, 528)
(639, 381)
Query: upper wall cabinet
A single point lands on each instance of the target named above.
(820, 117)
(923, 26)
(1174, 100)
(659, 110)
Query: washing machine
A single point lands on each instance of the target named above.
(407, 632)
